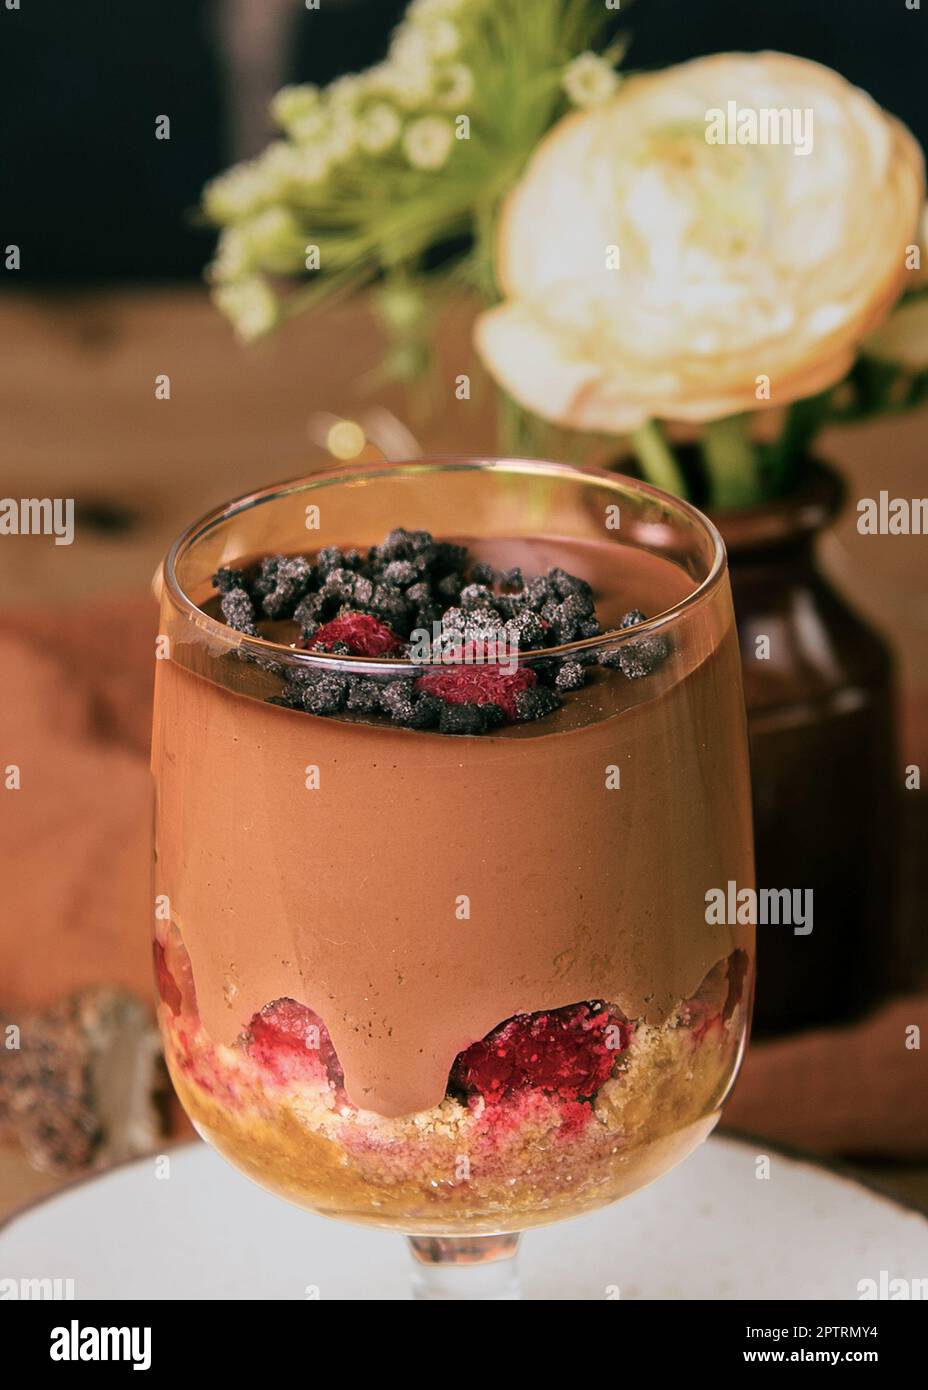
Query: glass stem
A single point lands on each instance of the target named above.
(465, 1267)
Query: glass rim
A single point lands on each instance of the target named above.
(348, 472)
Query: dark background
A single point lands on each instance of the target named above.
(89, 194)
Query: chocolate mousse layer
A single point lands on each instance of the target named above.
(415, 889)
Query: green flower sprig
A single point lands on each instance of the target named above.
(399, 171)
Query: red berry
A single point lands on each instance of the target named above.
(566, 1052)
(479, 685)
(719, 994)
(168, 988)
(173, 971)
(292, 1043)
(359, 632)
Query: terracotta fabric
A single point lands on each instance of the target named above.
(75, 710)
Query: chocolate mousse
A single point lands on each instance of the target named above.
(437, 951)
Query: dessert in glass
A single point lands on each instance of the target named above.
(448, 756)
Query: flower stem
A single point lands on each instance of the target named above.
(657, 460)
(732, 462)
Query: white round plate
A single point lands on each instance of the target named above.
(712, 1229)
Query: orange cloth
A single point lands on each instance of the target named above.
(75, 711)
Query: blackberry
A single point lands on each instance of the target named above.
(577, 606)
(511, 579)
(419, 593)
(638, 659)
(362, 592)
(325, 693)
(239, 611)
(267, 575)
(537, 592)
(588, 627)
(476, 596)
(330, 557)
(363, 694)
(535, 702)
(388, 603)
(404, 706)
(482, 573)
(225, 579)
(566, 585)
(426, 615)
(291, 580)
(308, 613)
(464, 719)
(449, 557)
(401, 573)
(472, 625)
(397, 546)
(525, 630)
(338, 586)
(570, 677)
(449, 587)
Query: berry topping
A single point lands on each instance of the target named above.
(292, 1043)
(568, 1053)
(359, 633)
(479, 685)
(430, 603)
(239, 611)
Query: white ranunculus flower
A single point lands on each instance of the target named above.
(648, 273)
(427, 142)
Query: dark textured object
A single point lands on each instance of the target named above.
(239, 611)
(468, 719)
(292, 578)
(640, 659)
(225, 579)
(534, 703)
(324, 693)
(86, 1086)
(570, 676)
(412, 582)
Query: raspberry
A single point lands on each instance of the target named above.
(567, 1052)
(173, 972)
(168, 988)
(718, 996)
(479, 685)
(293, 1044)
(359, 632)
